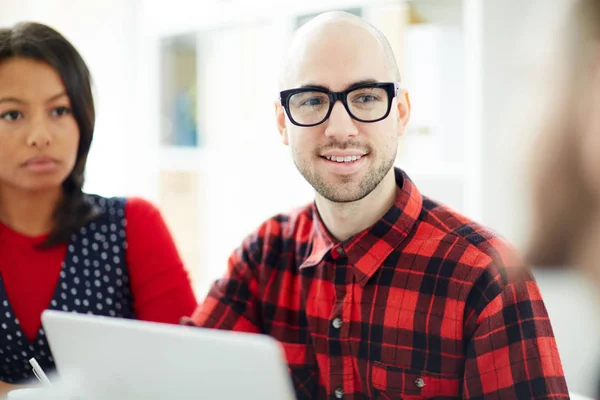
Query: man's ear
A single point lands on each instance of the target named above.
(403, 104)
(280, 121)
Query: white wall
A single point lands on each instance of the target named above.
(572, 303)
(513, 32)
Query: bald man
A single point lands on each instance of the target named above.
(374, 290)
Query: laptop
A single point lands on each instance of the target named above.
(114, 358)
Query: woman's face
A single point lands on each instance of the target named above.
(39, 135)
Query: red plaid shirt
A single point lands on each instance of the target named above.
(420, 305)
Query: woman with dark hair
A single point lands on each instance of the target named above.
(61, 248)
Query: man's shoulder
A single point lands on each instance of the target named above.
(479, 241)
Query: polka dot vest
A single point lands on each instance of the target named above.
(93, 279)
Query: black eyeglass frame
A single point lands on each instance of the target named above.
(392, 89)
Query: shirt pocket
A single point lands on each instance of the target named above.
(392, 382)
(302, 366)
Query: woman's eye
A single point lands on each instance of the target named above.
(11, 115)
(61, 111)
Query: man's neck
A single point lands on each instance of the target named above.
(28, 212)
(344, 220)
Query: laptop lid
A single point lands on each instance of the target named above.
(113, 358)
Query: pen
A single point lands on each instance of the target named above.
(39, 372)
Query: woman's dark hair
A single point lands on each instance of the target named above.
(42, 43)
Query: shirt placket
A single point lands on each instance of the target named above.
(341, 381)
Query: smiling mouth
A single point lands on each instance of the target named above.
(346, 159)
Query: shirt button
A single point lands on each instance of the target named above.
(340, 251)
(339, 393)
(337, 323)
(419, 382)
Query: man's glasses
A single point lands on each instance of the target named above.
(310, 106)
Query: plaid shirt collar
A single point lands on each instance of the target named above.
(367, 249)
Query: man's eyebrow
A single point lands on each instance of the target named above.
(361, 82)
(314, 85)
(348, 87)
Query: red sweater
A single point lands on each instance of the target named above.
(159, 282)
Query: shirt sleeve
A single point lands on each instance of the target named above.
(159, 281)
(232, 302)
(512, 353)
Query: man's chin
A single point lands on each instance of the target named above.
(340, 194)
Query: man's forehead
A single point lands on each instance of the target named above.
(335, 53)
(331, 34)
(338, 68)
